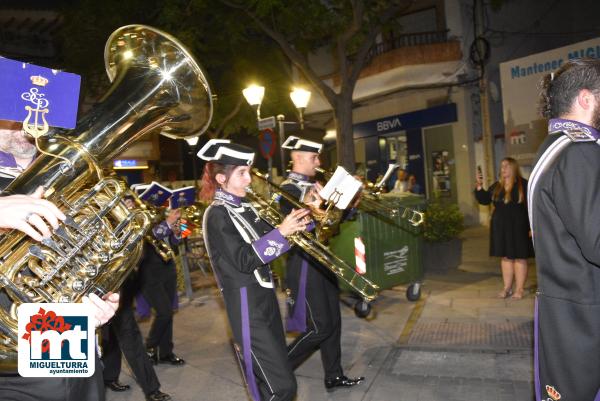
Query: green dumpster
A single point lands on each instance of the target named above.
(392, 247)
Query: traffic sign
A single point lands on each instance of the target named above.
(265, 123)
(267, 143)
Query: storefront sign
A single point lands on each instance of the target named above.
(443, 114)
(124, 164)
(525, 129)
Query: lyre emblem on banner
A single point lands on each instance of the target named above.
(36, 128)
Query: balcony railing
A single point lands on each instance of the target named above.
(409, 39)
(407, 49)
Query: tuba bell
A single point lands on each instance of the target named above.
(157, 86)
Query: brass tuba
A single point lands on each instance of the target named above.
(271, 214)
(156, 86)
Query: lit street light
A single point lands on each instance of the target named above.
(254, 95)
(300, 98)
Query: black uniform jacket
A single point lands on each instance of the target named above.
(297, 186)
(239, 259)
(566, 224)
(566, 230)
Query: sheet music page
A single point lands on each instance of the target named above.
(182, 197)
(156, 194)
(139, 188)
(386, 176)
(341, 188)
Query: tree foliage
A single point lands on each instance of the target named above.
(232, 53)
(239, 41)
(348, 28)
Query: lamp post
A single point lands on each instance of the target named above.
(254, 95)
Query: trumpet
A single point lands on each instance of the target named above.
(307, 241)
(371, 202)
(193, 214)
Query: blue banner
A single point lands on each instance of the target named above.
(30, 92)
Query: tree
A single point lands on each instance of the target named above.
(227, 50)
(348, 27)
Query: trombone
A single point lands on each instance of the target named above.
(268, 212)
(371, 202)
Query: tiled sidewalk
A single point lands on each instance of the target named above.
(459, 342)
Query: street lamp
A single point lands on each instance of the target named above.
(254, 95)
(300, 98)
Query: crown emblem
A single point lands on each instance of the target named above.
(38, 80)
(553, 393)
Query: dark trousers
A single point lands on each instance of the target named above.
(324, 322)
(272, 370)
(123, 334)
(17, 388)
(567, 345)
(158, 285)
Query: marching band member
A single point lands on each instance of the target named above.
(315, 305)
(33, 215)
(564, 193)
(240, 246)
(158, 282)
(123, 336)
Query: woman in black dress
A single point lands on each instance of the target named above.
(510, 237)
(240, 246)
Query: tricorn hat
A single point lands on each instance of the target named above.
(224, 152)
(304, 145)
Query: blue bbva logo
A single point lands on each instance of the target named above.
(56, 340)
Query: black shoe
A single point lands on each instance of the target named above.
(172, 359)
(116, 386)
(152, 353)
(342, 381)
(158, 396)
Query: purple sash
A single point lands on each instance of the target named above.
(536, 356)
(296, 321)
(247, 344)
